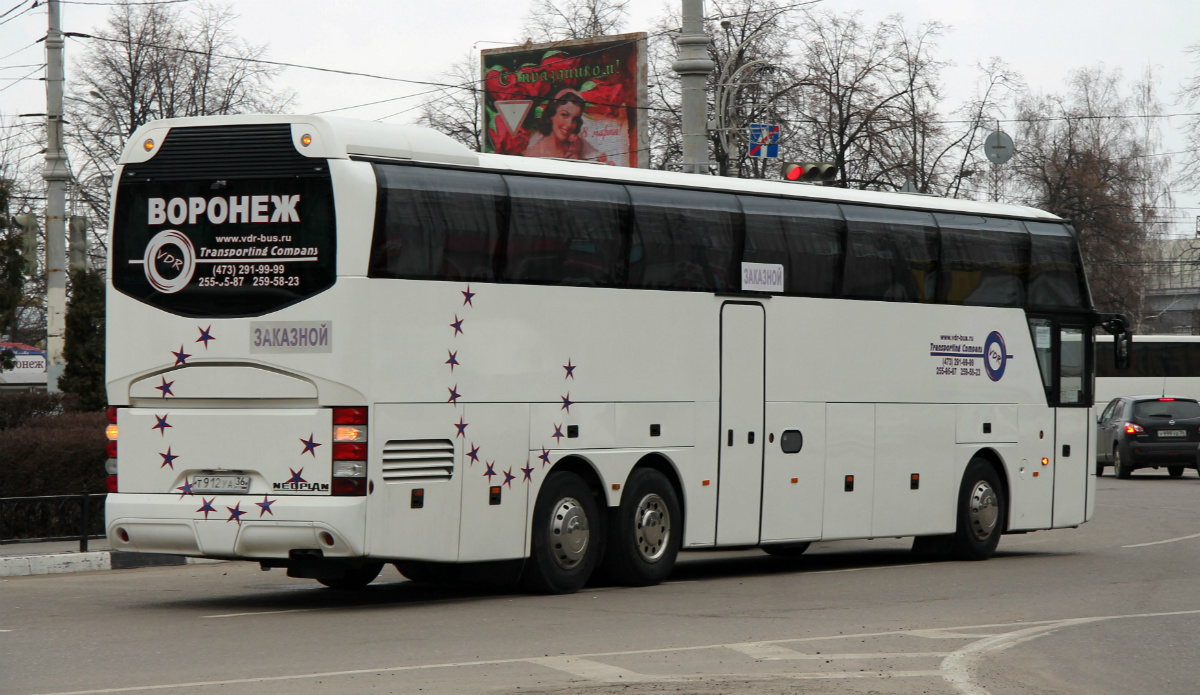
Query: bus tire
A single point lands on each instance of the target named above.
(1175, 471)
(981, 512)
(1120, 470)
(565, 542)
(355, 578)
(644, 531)
(786, 549)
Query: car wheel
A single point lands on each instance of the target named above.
(646, 530)
(1175, 471)
(355, 578)
(1099, 468)
(427, 572)
(1120, 469)
(565, 547)
(981, 511)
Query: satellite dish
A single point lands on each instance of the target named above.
(998, 147)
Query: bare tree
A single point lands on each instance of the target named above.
(149, 62)
(558, 20)
(454, 110)
(1081, 157)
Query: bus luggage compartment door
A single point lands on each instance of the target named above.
(740, 462)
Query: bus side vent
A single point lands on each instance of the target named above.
(418, 460)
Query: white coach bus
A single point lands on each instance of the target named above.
(334, 345)
(1158, 364)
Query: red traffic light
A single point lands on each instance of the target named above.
(793, 172)
(820, 172)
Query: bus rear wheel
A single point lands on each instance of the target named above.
(645, 530)
(565, 544)
(355, 578)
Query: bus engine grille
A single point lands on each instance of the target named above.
(418, 460)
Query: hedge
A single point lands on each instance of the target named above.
(47, 449)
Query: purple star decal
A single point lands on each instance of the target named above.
(570, 369)
(180, 357)
(491, 470)
(567, 403)
(558, 435)
(296, 476)
(462, 428)
(161, 425)
(207, 507)
(310, 446)
(457, 325)
(453, 361)
(235, 513)
(185, 489)
(166, 387)
(473, 454)
(453, 395)
(265, 506)
(508, 477)
(528, 471)
(467, 296)
(205, 336)
(545, 457)
(168, 459)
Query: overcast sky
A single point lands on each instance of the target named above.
(417, 39)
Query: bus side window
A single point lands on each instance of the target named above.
(436, 223)
(1071, 366)
(890, 254)
(684, 240)
(983, 260)
(565, 232)
(1043, 347)
(805, 237)
(1055, 269)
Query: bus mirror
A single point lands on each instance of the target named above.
(1122, 344)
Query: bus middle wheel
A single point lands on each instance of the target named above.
(645, 531)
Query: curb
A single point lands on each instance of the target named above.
(63, 563)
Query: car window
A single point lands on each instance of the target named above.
(1166, 409)
(1108, 410)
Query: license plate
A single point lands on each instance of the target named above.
(221, 483)
(1172, 433)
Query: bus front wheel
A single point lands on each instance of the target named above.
(645, 530)
(980, 512)
(565, 544)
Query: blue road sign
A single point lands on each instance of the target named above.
(764, 140)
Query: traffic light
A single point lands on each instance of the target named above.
(817, 172)
(29, 228)
(77, 226)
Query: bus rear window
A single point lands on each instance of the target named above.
(226, 224)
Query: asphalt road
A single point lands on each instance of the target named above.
(1111, 607)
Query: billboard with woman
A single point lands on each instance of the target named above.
(579, 99)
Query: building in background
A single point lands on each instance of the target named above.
(1173, 288)
(581, 99)
(30, 371)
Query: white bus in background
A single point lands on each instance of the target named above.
(334, 345)
(1158, 364)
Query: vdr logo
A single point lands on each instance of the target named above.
(995, 356)
(170, 261)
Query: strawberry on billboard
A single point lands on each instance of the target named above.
(578, 99)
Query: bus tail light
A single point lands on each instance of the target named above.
(110, 448)
(1134, 428)
(349, 452)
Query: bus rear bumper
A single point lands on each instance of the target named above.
(155, 523)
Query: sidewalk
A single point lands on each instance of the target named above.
(24, 559)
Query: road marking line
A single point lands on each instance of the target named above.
(865, 569)
(861, 674)
(765, 651)
(1169, 540)
(948, 634)
(239, 615)
(591, 670)
(958, 672)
